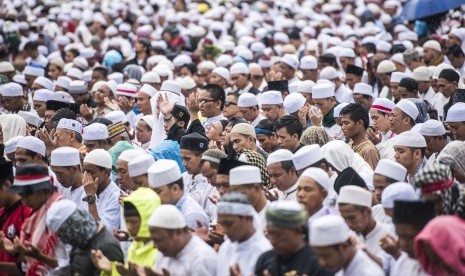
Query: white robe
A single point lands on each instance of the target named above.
(200, 190)
(361, 265)
(407, 266)
(108, 206)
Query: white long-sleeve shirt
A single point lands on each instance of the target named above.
(200, 190)
(108, 206)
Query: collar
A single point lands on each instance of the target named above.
(291, 190)
(246, 89)
(181, 201)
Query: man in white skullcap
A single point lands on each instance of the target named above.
(30, 150)
(122, 169)
(102, 194)
(426, 92)
(10, 148)
(435, 136)
(42, 83)
(40, 99)
(355, 206)
(330, 238)
(166, 180)
(12, 94)
(220, 76)
(151, 78)
(385, 71)
(410, 150)
(283, 174)
(104, 90)
(246, 242)
(138, 169)
(456, 120)
(79, 90)
(380, 112)
(240, 76)
(181, 251)
(324, 98)
(432, 54)
(342, 93)
(314, 185)
(288, 65)
(65, 162)
(96, 137)
(143, 132)
(249, 108)
(69, 134)
(272, 105)
(363, 94)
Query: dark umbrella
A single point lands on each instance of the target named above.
(416, 9)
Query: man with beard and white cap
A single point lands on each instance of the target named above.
(102, 194)
(434, 133)
(166, 180)
(181, 252)
(65, 162)
(330, 238)
(422, 76)
(245, 243)
(283, 174)
(272, 105)
(410, 150)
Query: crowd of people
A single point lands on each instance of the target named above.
(157, 137)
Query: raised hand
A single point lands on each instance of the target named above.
(235, 270)
(165, 105)
(111, 104)
(124, 104)
(193, 105)
(315, 116)
(100, 261)
(86, 112)
(374, 136)
(90, 185)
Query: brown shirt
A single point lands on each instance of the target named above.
(368, 151)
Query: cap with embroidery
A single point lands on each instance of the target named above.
(70, 125)
(116, 129)
(163, 172)
(307, 156)
(194, 141)
(65, 156)
(245, 129)
(383, 105)
(126, 89)
(247, 100)
(30, 178)
(77, 87)
(432, 128)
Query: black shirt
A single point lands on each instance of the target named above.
(196, 126)
(175, 133)
(303, 261)
(80, 261)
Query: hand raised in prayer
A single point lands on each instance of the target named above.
(235, 270)
(271, 195)
(201, 231)
(450, 132)
(49, 138)
(315, 116)
(26, 248)
(303, 112)
(90, 185)
(216, 235)
(124, 104)
(193, 105)
(213, 198)
(164, 104)
(111, 104)
(100, 261)
(6, 245)
(86, 112)
(374, 136)
(389, 244)
(120, 234)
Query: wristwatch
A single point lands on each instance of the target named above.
(90, 199)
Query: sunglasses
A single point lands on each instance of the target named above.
(228, 103)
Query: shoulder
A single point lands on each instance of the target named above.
(254, 91)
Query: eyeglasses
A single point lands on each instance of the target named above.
(228, 103)
(203, 101)
(257, 77)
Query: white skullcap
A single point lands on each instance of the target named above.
(329, 230)
(95, 132)
(70, 125)
(432, 44)
(116, 116)
(167, 216)
(239, 68)
(410, 139)
(224, 60)
(187, 83)
(149, 119)
(34, 71)
(206, 65)
(81, 63)
(140, 165)
(363, 88)
(150, 77)
(126, 89)
(87, 53)
(45, 83)
(65, 157)
(278, 156)
(421, 73)
(386, 66)
(307, 156)
(181, 60)
(383, 46)
(33, 144)
(264, 62)
(456, 113)
(222, 72)
(245, 54)
(338, 108)
(77, 87)
(11, 89)
(247, 100)
(130, 154)
(391, 169)
(397, 191)
(171, 86)
(148, 89)
(280, 36)
(10, 145)
(99, 157)
(30, 118)
(305, 86)
(383, 105)
(43, 95)
(347, 52)
(354, 195)
(6, 66)
(244, 175)
(432, 128)
(19, 79)
(63, 81)
(319, 176)
(291, 60)
(58, 213)
(294, 102)
(117, 77)
(323, 90)
(272, 97)
(74, 72)
(409, 108)
(257, 47)
(163, 172)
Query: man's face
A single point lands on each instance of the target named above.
(249, 190)
(351, 80)
(164, 241)
(12, 103)
(96, 172)
(458, 128)
(122, 176)
(434, 144)
(329, 257)
(248, 113)
(271, 111)
(280, 178)
(310, 74)
(81, 98)
(233, 226)
(423, 86)
(267, 143)
(404, 93)
(404, 156)
(208, 106)
(310, 194)
(230, 107)
(446, 87)
(457, 62)
(380, 182)
(357, 220)
(143, 132)
(93, 144)
(53, 71)
(395, 90)
(141, 180)
(396, 121)
(143, 103)
(165, 194)
(40, 108)
(64, 175)
(191, 161)
(222, 183)
(282, 239)
(217, 79)
(22, 158)
(325, 105)
(63, 137)
(30, 79)
(363, 100)
(285, 140)
(241, 142)
(349, 127)
(103, 92)
(240, 80)
(406, 236)
(385, 78)
(428, 54)
(208, 172)
(287, 71)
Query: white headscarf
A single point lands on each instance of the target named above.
(13, 125)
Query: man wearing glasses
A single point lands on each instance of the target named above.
(211, 104)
